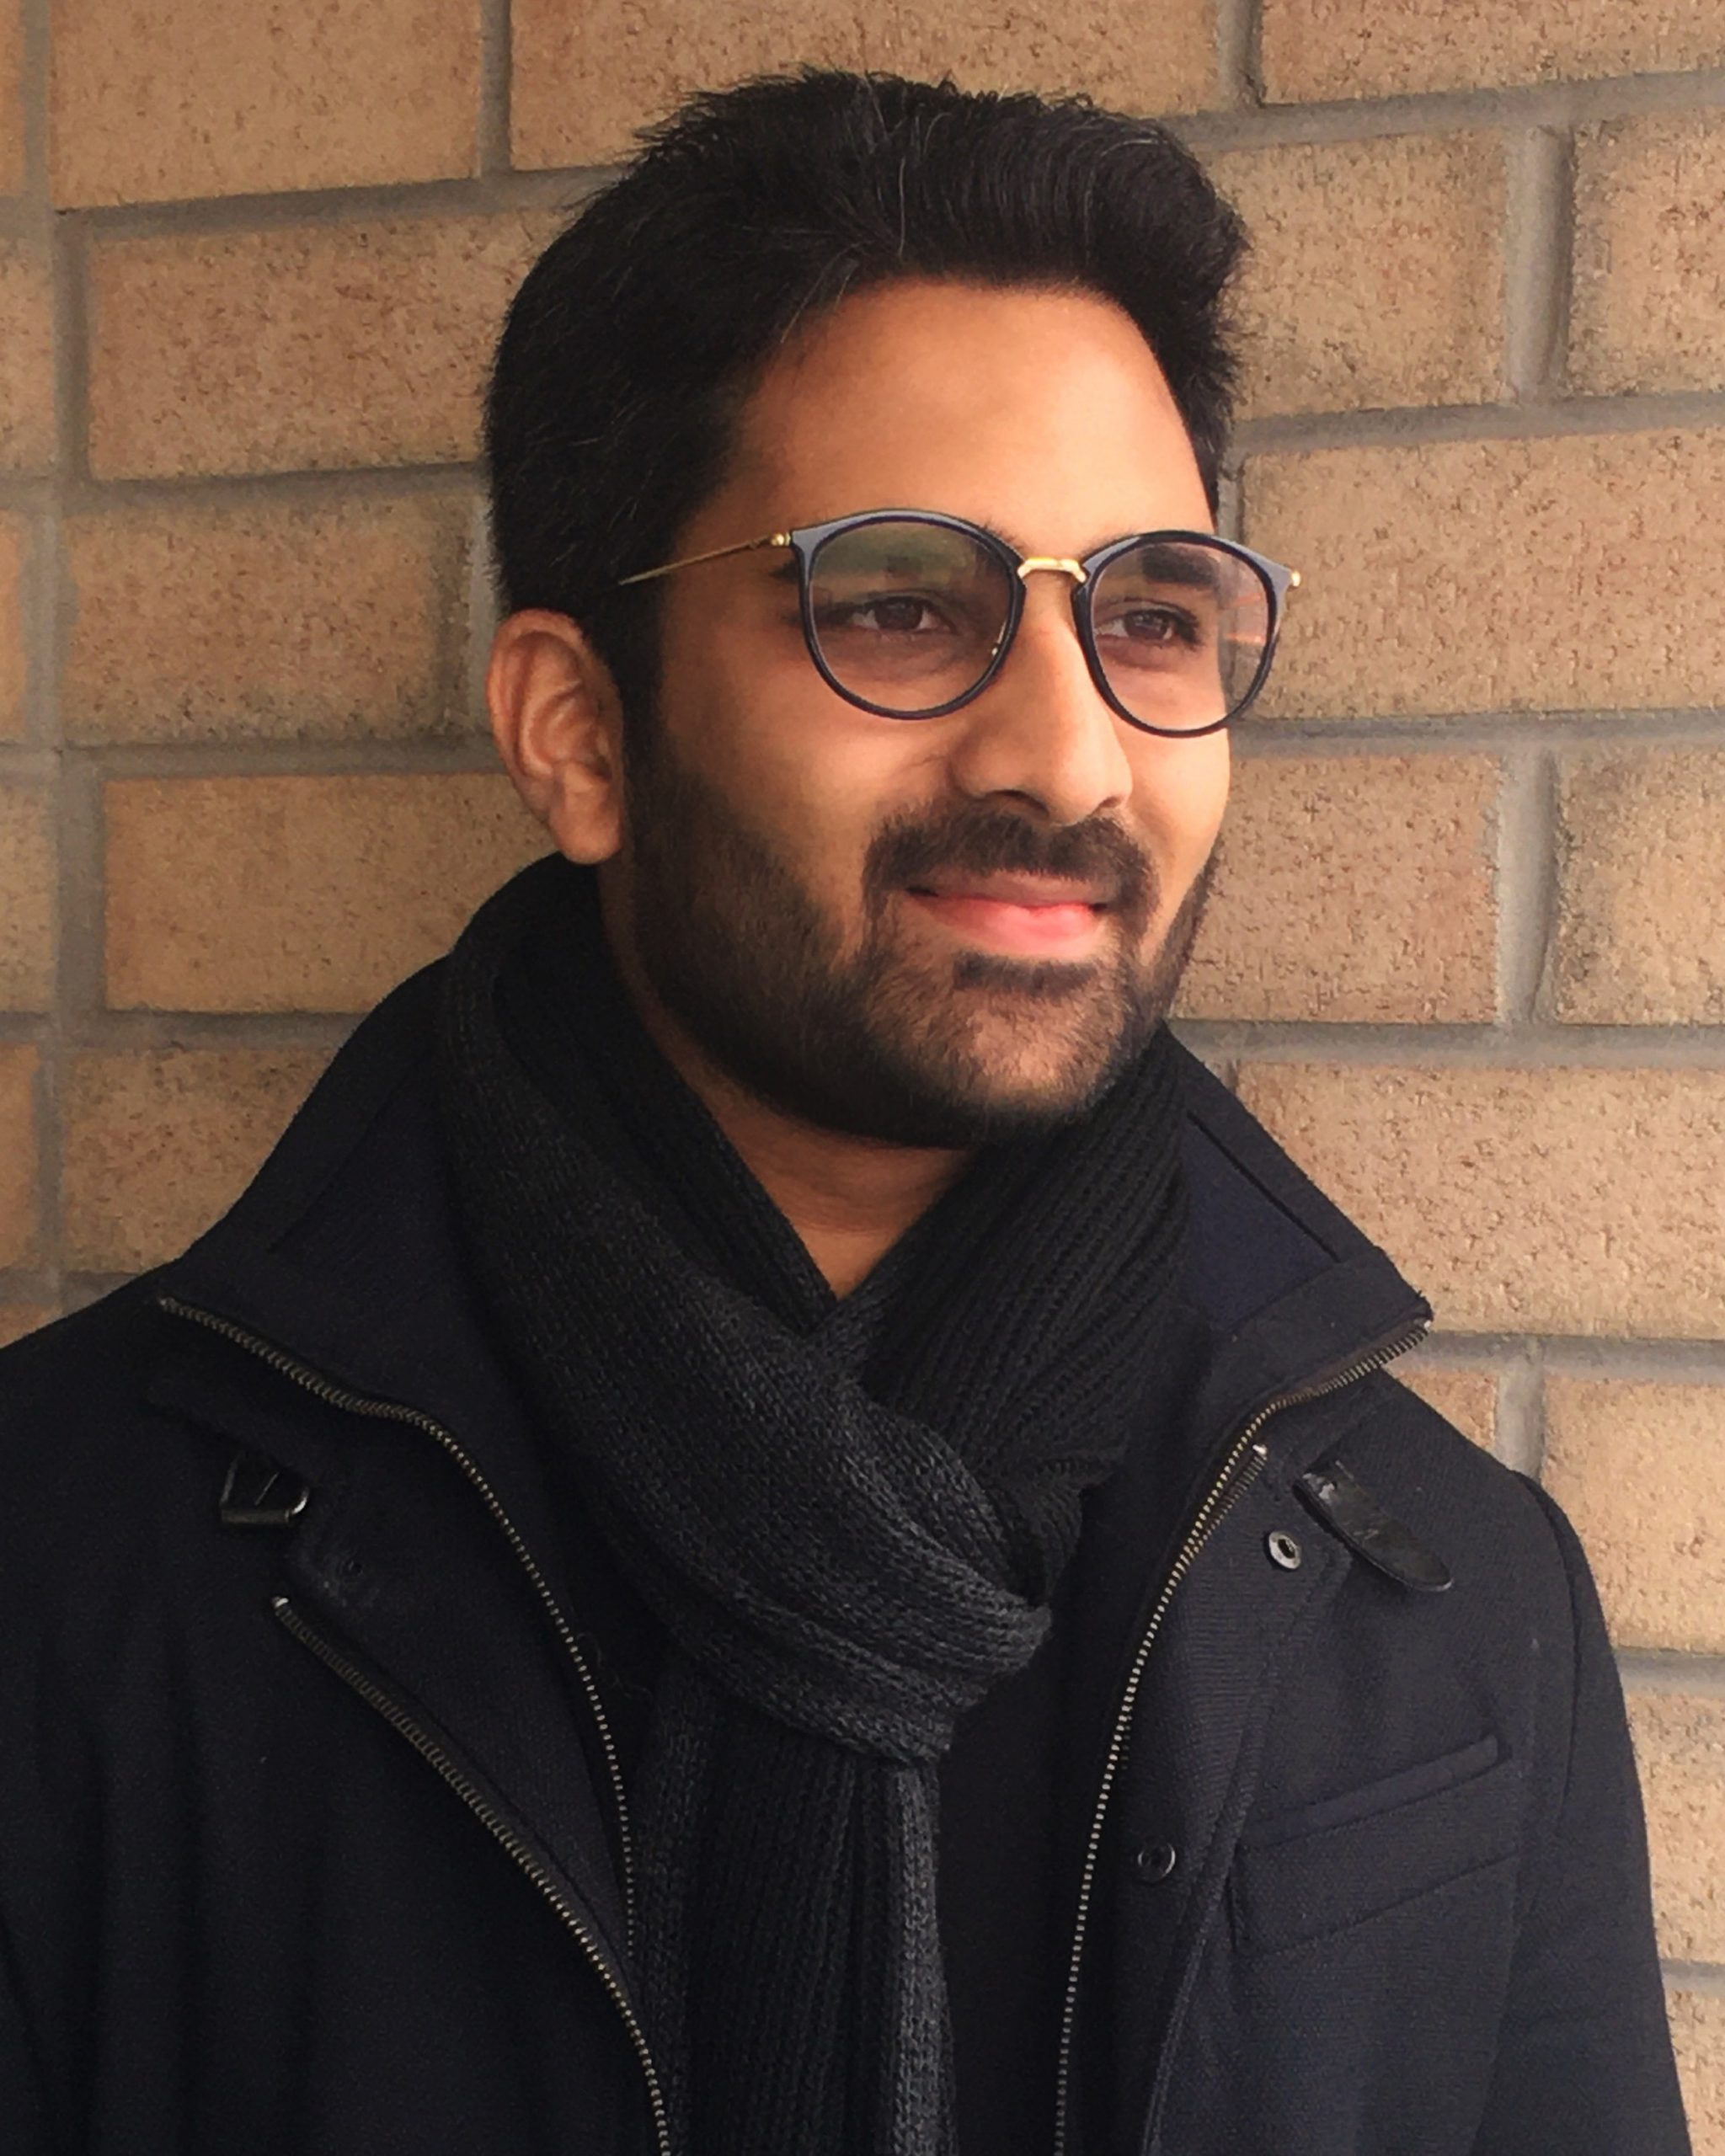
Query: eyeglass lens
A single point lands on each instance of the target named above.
(909, 616)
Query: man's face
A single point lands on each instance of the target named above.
(929, 931)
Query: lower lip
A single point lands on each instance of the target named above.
(1061, 932)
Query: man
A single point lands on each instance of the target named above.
(776, 1528)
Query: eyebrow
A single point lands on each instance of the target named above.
(1166, 564)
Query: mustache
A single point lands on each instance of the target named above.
(987, 840)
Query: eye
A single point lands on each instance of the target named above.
(888, 613)
(1154, 626)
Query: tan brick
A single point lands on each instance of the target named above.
(1641, 933)
(13, 545)
(1351, 888)
(154, 104)
(158, 1144)
(268, 620)
(16, 1319)
(585, 78)
(1541, 1201)
(11, 96)
(1376, 271)
(1679, 1743)
(1698, 2035)
(18, 1155)
(297, 893)
(1466, 1398)
(303, 346)
(1649, 280)
(1640, 1469)
(26, 896)
(26, 358)
(1360, 49)
(1598, 586)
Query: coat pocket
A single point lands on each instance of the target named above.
(1305, 1874)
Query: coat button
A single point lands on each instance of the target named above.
(1284, 1550)
(1156, 1861)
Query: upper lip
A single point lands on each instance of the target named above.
(1014, 890)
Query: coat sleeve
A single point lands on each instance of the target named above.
(1585, 2064)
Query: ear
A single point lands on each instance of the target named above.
(557, 720)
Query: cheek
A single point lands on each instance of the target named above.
(1179, 792)
(806, 769)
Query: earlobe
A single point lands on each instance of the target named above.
(557, 719)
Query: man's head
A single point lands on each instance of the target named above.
(812, 296)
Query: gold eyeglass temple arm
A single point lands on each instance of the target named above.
(713, 554)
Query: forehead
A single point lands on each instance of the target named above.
(1044, 413)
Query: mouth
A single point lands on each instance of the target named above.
(1030, 916)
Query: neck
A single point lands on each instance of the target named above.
(848, 1198)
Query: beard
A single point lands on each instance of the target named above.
(891, 1041)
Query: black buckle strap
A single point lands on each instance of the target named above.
(257, 1493)
(1352, 1512)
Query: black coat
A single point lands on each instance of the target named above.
(1370, 1879)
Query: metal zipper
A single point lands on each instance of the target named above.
(487, 1813)
(1240, 1466)
(391, 1411)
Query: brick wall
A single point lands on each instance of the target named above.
(1468, 955)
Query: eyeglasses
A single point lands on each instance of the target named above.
(909, 614)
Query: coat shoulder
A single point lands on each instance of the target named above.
(88, 1463)
(1473, 1508)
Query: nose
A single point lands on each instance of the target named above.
(1041, 732)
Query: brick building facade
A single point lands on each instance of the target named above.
(1468, 954)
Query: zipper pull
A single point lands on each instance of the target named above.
(1351, 1512)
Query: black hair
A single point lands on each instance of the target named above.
(632, 343)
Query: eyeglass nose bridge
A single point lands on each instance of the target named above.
(1063, 562)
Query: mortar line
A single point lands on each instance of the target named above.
(495, 192)
(1239, 72)
(1591, 1355)
(73, 355)
(1229, 505)
(493, 143)
(1668, 1669)
(1533, 1046)
(1542, 418)
(1706, 1977)
(1537, 255)
(1458, 1351)
(1519, 1429)
(483, 608)
(1463, 733)
(1526, 877)
(1601, 1359)
(1272, 124)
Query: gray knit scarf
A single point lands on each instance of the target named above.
(843, 1563)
